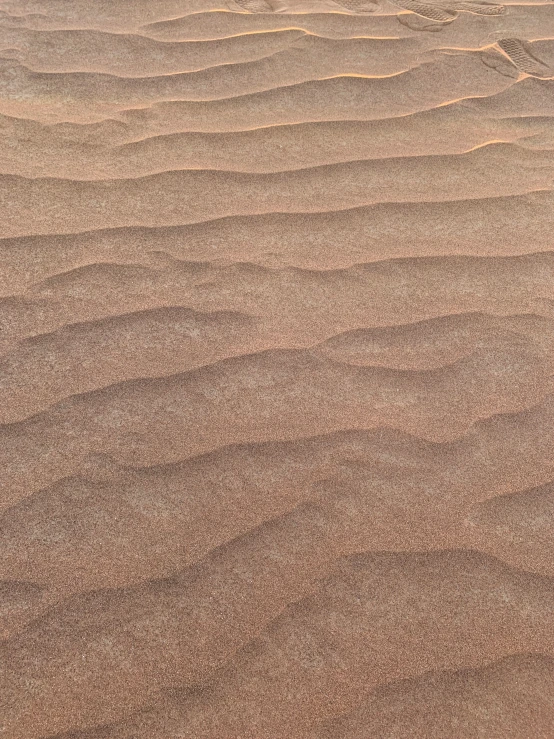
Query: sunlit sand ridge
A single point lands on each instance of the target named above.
(276, 369)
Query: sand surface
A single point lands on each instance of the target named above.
(276, 369)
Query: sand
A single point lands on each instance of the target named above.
(276, 369)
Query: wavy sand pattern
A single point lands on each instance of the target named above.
(276, 369)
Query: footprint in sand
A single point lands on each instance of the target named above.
(254, 6)
(477, 8)
(495, 60)
(426, 10)
(513, 56)
(521, 57)
(358, 6)
(442, 13)
(418, 23)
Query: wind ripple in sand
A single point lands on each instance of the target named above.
(276, 369)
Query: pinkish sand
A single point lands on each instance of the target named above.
(276, 370)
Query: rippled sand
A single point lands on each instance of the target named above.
(276, 369)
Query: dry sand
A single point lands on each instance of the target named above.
(276, 369)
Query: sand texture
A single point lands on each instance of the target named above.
(276, 369)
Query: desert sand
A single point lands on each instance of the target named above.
(276, 369)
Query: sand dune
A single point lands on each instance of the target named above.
(276, 369)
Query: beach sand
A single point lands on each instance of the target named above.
(276, 369)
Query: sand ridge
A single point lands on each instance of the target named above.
(276, 369)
